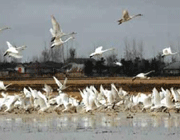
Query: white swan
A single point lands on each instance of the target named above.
(126, 17)
(98, 51)
(63, 99)
(48, 89)
(167, 51)
(156, 99)
(13, 51)
(4, 28)
(59, 42)
(118, 63)
(142, 75)
(60, 85)
(43, 103)
(9, 102)
(56, 30)
(169, 104)
(3, 87)
(57, 34)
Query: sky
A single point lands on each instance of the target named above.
(94, 21)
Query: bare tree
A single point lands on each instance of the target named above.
(35, 59)
(127, 51)
(56, 54)
(72, 52)
(111, 59)
(141, 51)
(132, 51)
(45, 55)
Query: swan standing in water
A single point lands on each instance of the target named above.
(13, 51)
(142, 75)
(167, 51)
(126, 17)
(98, 51)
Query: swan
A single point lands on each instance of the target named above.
(175, 94)
(93, 100)
(43, 103)
(9, 102)
(167, 51)
(56, 30)
(57, 34)
(59, 42)
(48, 89)
(98, 51)
(13, 51)
(2, 87)
(63, 99)
(142, 75)
(118, 63)
(60, 85)
(26, 92)
(169, 104)
(126, 17)
(4, 28)
(115, 93)
(156, 99)
(146, 100)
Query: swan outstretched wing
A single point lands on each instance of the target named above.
(125, 14)
(58, 82)
(99, 49)
(5, 28)
(9, 45)
(55, 24)
(21, 48)
(65, 81)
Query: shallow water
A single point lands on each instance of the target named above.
(84, 126)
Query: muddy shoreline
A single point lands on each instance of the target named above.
(134, 87)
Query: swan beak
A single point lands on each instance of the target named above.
(5, 53)
(52, 46)
(52, 39)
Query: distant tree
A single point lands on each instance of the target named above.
(88, 68)
(45, 55)
(111, 59)
(72, 52)
(157, 64)
(56, 54)
(133, 50)
(35, 59)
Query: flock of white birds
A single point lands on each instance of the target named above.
(92, 100)
(57, 41)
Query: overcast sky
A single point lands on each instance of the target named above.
(95, 22)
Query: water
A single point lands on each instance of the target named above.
(99, 126)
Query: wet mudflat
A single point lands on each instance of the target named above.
(106, 125)
(90, 126)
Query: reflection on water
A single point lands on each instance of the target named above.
(98, 126)
(75, 123)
